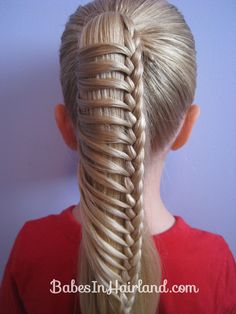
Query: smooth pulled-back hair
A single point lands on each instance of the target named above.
(128, 76)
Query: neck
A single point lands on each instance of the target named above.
(158, 217)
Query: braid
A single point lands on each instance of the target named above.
(111, 134)
(116, 55)
(135, 181)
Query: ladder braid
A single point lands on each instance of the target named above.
(113, 228)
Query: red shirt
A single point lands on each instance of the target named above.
(46, 249)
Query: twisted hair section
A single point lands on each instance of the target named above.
(111, 133)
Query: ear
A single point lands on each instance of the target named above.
(65, 126)
(186, 130)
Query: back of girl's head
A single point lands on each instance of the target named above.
(128, 76)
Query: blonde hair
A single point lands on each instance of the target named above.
(128, 75)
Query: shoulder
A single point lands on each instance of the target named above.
(44, 248)
(44, 226)
(220, 266)
(207, 237)
(203, 258)
(186, 244)
(209, 242)
(38, 229)
(197, 238)
(40, 237)
(212, 251)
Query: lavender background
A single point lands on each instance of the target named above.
(38, 172)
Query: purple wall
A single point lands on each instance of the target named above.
(37, 174)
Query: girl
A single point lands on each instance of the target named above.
(128, 75)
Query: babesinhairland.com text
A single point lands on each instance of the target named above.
(57, 287)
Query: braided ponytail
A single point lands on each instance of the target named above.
(111, 133)
(109, 76)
